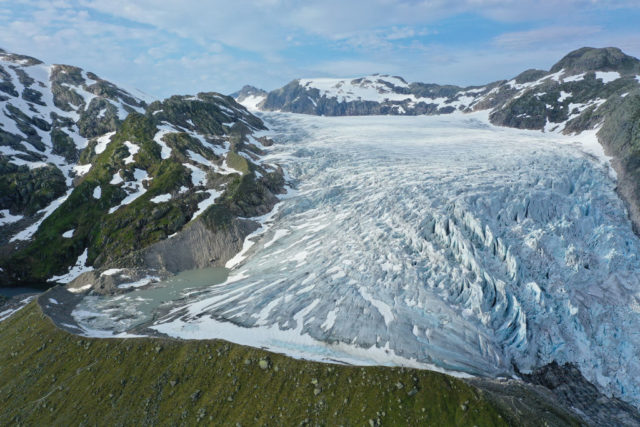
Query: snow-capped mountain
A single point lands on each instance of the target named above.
(48, 114)
(375, 94)
(249, 96)
(91, 175)
(588, 90)
(535, 99)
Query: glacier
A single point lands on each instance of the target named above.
(435, 241)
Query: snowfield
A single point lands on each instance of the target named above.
(434, 241)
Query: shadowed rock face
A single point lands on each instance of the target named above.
(570, 387)
(198, 247)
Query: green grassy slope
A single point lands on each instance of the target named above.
(50, 377)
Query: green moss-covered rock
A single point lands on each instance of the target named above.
(26, 191)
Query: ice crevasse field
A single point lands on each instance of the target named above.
(440, 242)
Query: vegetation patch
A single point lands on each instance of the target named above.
(26, 191)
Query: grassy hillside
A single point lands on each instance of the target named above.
(50, 377)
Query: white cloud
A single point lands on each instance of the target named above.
(165, 47)
(562, 35)
(352, 68)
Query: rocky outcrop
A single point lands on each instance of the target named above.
(562, 387)
(594, 59)
(573, 391)
(620, 136)
(197, 247)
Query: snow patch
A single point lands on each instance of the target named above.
(7, 218)
(607, 76)
(574, 78)
(206, 203)
(133, 150)
(103, 142)
(161, 198)
(251, 102)
(198, 176)
(28, 232)
(135, 188)
(564, 95)
(75, 271)
(165, 150)
(82, 169)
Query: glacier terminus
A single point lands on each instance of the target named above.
(432, 241)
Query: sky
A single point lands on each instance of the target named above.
(166, 47)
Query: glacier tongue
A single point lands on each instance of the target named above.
(442, 240)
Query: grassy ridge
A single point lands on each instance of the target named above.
(50, 377)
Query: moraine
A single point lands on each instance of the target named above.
(442, 242)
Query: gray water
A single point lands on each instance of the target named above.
(127, 311)
(12, 292)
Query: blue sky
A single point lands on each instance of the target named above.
(165, 47)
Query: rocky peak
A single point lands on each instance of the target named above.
(529, 75)
(593, 59)
(18, 59)
(250, 97)
(247, 91)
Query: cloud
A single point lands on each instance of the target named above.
(165, 47)
(541, 36)
(352, 68)
(265, 25)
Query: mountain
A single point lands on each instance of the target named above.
(49, 113)
(249, 96)
(588, 89)
(93, 178)
(375, 94)
(554, 98)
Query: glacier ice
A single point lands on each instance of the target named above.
(441, 240)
